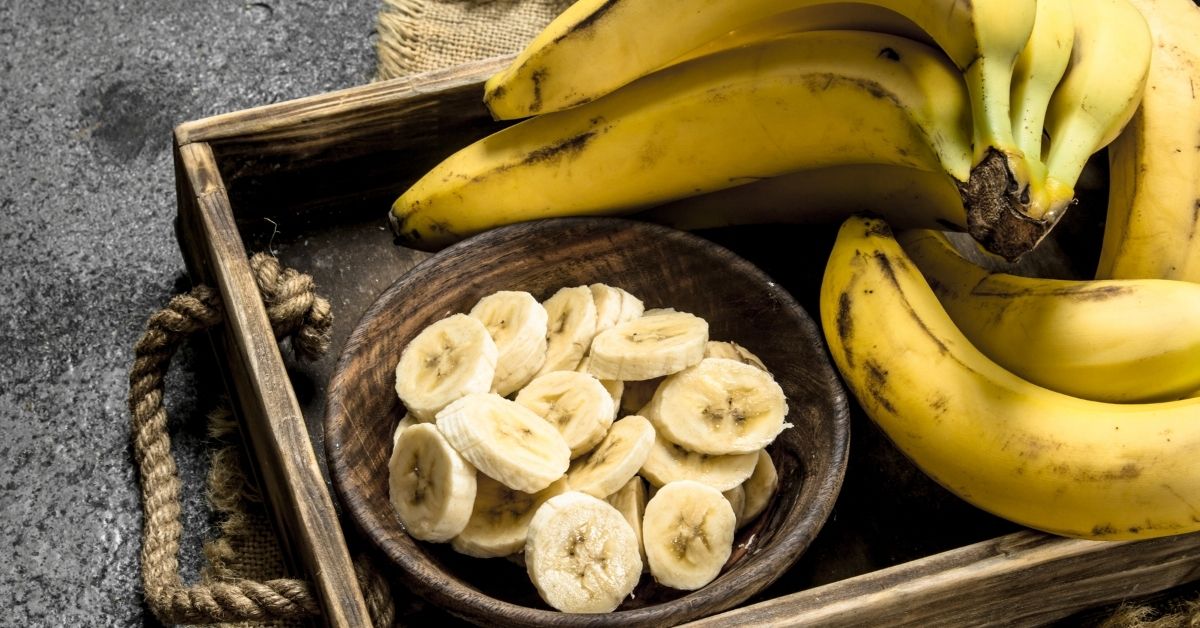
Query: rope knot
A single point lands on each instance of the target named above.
(293, 306)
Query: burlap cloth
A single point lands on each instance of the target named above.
(418, 36)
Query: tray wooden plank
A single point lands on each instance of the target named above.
(1021, 579)
(312, 179)
(271, 415)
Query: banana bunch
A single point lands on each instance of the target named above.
(512, 444)
(1045, 459)
(986, 112)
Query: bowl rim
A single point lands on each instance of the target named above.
(459, 598)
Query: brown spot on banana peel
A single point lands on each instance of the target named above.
(1079, 293)
(845, 326)
(997, 205)
(877, 378)
(885, 264)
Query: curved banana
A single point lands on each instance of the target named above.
(791, 103)
(1040, 458)
(1039, 69)
(1098, 95)
(596, 46)
(910, 198)
(1115, 341)
(1153, 228)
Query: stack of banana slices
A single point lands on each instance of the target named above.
(533, 427)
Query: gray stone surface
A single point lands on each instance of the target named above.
(89, 92)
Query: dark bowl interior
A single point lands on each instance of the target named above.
(665, 268)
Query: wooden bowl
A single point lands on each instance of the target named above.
(665, 268)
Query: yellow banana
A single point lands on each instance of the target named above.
(596, 46)
(1116, 341)
(910, 198)
(1153, 228)
(1039, 68)
(1040, 458)
(798, 102)
(1098, 95)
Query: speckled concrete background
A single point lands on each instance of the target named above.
(89, 92)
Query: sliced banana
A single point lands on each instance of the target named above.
(447, 360)
(571, 326)
(759, 488)
(732, 351)
(637, 394)
(616, 459)
(615, 387)
(630, 501)
(658, 311)
(575, 403)
(431, 486)
(614, 306)
(581, 554)
(719, 406)
(517, 324)
(737, 500)
(688, 531)
(500, 518)
(406, 422)
(649, 347)
(506, 441)
(669, 462)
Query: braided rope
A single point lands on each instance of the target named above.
(295, 311)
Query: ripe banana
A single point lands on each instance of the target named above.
(912, 198)
(649, 347)
(430, 485)
(1040, 67)
(1099, 93)
(449, 359)
(733, 351)
(1040, 458)
(571, 315)
(688, 533)
(736, 497)
(614, 306)
(517, 324)
(759, 487)
(719, 406)
(630, 501)
(1153, 228)
(581, 554)
(798, 102)
(505, 440)
(1115, 341)
(615, 387)
(575, 403)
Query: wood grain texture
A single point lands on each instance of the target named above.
(286, 463)
(664, 268)
(354, 149)
(1021, 579)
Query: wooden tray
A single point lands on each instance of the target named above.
(311, 181)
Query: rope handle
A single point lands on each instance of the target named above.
(294, 310)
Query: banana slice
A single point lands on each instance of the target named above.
(575, 403)
(517, 324)
(616, 459)
(407, 422)
(688, 531)
(737, 500)
(630, 501)
(732, 351)
(431, 486)
(649, 347)
(447, 360)
(614, 306)
(658, 311)
(572, 325)
(759, 488)
(500, 518)
(615, 387)
(669, 462)
(506, 441)
(719, 406)
(637, 394)
(581, 554)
